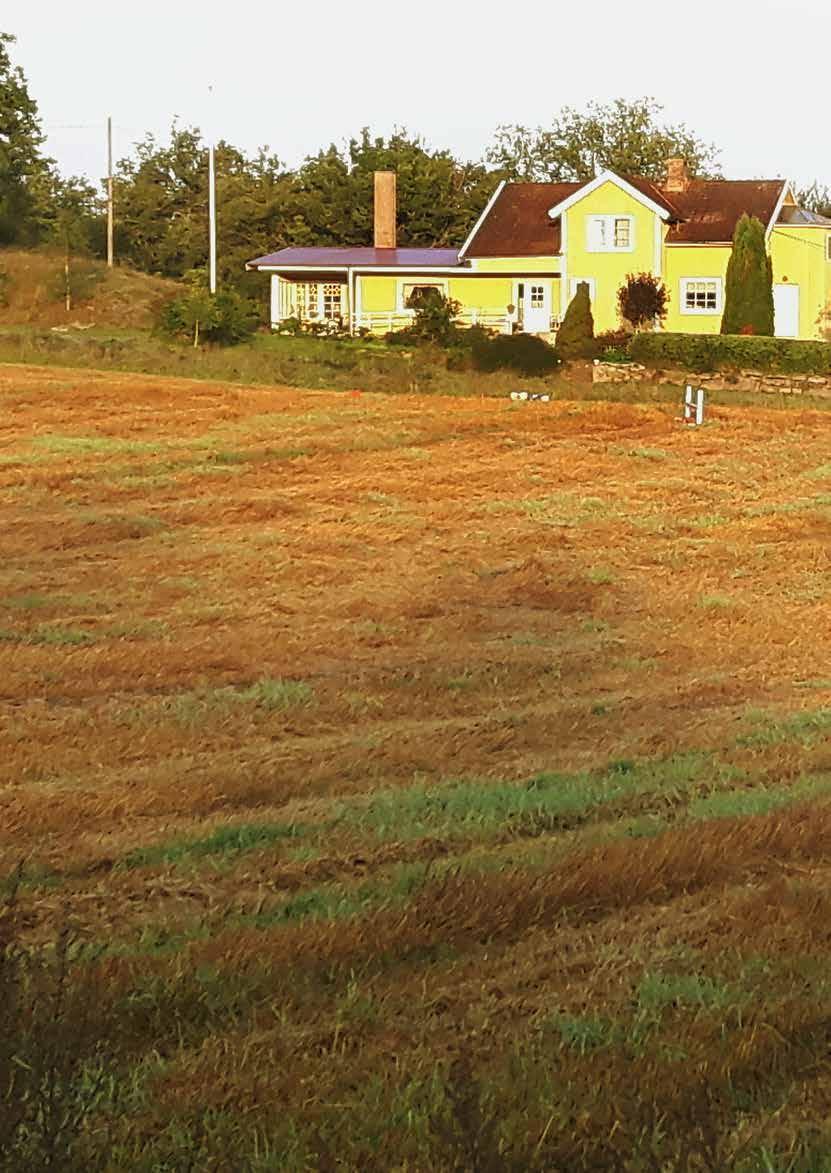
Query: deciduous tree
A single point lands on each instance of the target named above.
(816, 198)
(627, 137)
(439, 197)
(643, 300)
(24, 172)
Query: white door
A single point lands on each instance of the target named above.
(786, 311)
(536, 306)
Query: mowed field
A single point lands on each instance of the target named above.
(411, 783)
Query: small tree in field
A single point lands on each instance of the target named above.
(435, 316)
(224, 318)
(642, 300)
(575, 338)
(748, 296)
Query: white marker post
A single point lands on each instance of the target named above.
(693, 408)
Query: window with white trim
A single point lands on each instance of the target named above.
(610, 234)
(701, 295)
(537, 297)
(332, 303)
(413, 293)
(590, 281)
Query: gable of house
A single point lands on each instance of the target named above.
(609, 229)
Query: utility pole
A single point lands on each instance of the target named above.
(212, 216)
(211, 203)
(109, 191)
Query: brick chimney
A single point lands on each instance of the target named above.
(385, 209)
(678, 178)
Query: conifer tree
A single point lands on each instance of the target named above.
(576, 334)
(748, 297)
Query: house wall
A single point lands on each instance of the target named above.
(693, 260)
(376, 294)
(609, 269)
(798, 256)
(490, 295)
(487, 293)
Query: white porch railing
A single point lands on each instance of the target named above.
(382, 322)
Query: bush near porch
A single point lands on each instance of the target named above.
(711, 352)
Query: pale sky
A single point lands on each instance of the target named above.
(749, 75)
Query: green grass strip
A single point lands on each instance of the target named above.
(226, 842)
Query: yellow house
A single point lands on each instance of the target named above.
(535, 242)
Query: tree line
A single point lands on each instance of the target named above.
(161, 188)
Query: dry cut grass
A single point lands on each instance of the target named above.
(410, 783)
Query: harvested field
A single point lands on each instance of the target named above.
(411, 783)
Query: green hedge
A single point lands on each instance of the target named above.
(711, 352)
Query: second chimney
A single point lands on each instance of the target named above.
(385, 209)
(678, 178)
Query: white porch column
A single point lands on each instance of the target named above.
(276, 292)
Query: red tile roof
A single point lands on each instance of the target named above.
(336, 258)
(663, 199)
(712, 208)
(518, 224)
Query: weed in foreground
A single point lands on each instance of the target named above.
(55, 1068)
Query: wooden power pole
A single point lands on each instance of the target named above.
(109, 191)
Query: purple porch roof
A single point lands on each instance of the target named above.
(335, 258)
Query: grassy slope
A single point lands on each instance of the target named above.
(438, 783)
(33, 284)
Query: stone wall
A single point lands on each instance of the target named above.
(764, 381)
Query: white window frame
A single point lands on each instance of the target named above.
(440, 283)
(609, 226)
(310, 302)
(573, 282)
(321, 300)
(696, 311)
(531, 286)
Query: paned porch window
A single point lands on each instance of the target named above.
(332, 301)
(306, 300)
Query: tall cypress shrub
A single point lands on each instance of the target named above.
(748, 297)
(575, 338)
